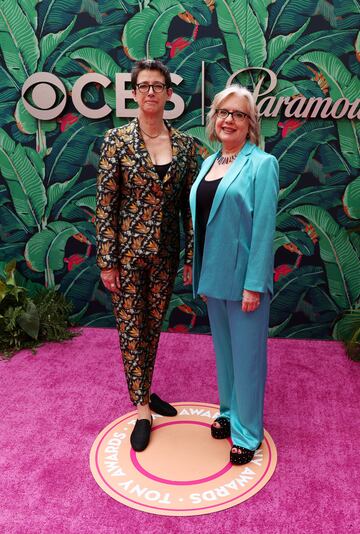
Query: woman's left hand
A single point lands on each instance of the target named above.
(250, 300)
(187, 275)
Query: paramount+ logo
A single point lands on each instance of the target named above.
(44, 89)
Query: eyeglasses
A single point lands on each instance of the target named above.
(238, 116)
(157, 87)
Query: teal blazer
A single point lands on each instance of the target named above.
(238, 248)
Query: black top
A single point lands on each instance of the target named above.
(162, 169)
(204, 199)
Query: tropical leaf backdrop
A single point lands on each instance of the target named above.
(48, 168)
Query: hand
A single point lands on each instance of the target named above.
(187, 275)
(203, 298)
(250, 301)
(111, 279)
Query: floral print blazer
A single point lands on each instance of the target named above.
(137, 213)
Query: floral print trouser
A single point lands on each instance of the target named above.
(145, 289)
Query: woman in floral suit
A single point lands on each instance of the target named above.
(145, 174)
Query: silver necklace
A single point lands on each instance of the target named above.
(224, 160)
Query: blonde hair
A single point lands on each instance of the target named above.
(254, 129)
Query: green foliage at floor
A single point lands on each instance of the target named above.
(28, 317)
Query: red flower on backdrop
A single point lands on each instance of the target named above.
(289, 126)
(74, 260)
(66, 121)
(177, 45)
(282, 270)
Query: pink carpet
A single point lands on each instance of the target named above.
(54, 404)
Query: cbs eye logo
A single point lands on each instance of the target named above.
(40, 89)
(44, 96)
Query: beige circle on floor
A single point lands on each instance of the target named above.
(183, 471)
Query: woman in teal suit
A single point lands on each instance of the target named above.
(233, 203)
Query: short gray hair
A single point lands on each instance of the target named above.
(254, 128)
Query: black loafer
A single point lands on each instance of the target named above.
(161, 407)
(140, 436)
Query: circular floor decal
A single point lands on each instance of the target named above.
(183, 471)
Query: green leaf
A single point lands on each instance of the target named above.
(10, 222)
(146, 33)
(99, 61)
(66, 206)
(325, 196)
(298, 238)
(351, 200)
(91, 7)
(200, 134)
(260, 8)
(278, 45)
(104, 37)
(339, 41)
(190, 119)
(29, 320)
(29, 9)
(12, 250)
(341, 85)
(288, 15)
(344, 7)
(269, 127)
(56, 191)
(341, 262)
(244, 38)
(276, 330)
(285, 192)
(308, 331)
(71, 147)
(327, 11)
(290, 289)
(188, 62)
(45, 250)
(280, 239)
(55, 15)
(323, 305)
(294, 150)
(87, 202)
(216, 78)
(51, 41)
(347, 326)
(18, 41)
(80, 284)
(99, 320)
(25, 185)
(332, 160)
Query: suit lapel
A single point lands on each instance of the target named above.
(229, 177)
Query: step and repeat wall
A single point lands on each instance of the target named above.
(64, 80)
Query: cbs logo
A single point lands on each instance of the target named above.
(44, 97)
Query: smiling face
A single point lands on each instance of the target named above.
(232, 133)
(151, 102)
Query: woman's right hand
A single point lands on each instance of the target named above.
(111, 279)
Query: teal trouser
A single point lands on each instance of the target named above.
(240, 340)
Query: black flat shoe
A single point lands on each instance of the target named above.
(140, 436)
(244, 456)
(161, 407)
(224, 430)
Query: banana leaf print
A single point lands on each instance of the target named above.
(48, 168)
